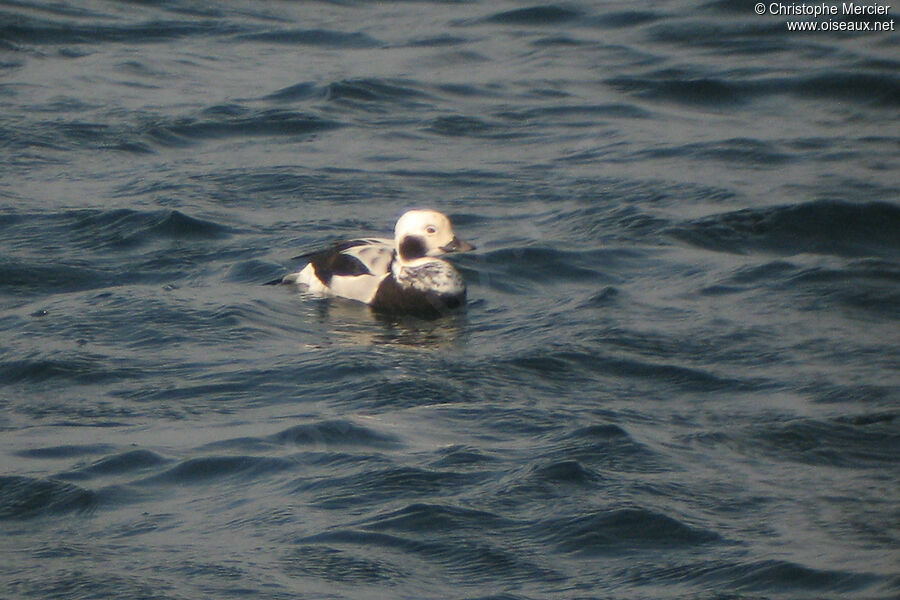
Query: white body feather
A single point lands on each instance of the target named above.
(376, 254)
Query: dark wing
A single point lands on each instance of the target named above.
(333, 261)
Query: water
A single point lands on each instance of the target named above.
(677, 375)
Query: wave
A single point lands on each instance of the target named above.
(866, 441)
(25, 278)
(297, 92)
(693, 88)
(202, 470)
(624, 18)
(459, 456)
(852, 443)
(109, 228)
(865, 288)
(771, 575)
(569, 364)
(148, 134)
(535, 15)
(324, 38)
(379, 392)
(744, 152)
(589, 113)
(81, 368)
(339, 433)
(525, 265)
(375, 486)
(93, 242)
(459, 559)
(341, 566)
(24, 498)
(66, 451)
(234, 121)
(611, 531)
(590, 451)
(131, 461)
(566, 473)
(129, 228)
(687, 89)
(435, 518)
(830, 227)
(463, 126)
(375, 94)
(29, 30)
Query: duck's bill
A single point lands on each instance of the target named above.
(457, 245)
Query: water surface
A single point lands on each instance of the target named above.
(677, 375)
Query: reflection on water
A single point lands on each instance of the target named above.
(346, 322)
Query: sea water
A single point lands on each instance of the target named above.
(676, 377)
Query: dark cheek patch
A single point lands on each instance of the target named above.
(412, 247)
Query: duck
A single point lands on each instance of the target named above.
(403, 275)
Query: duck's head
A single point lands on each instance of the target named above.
(421, 233)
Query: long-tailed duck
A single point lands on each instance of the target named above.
(403, 275)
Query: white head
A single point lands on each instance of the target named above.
(421, 233)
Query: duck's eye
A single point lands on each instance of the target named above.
(431, 229)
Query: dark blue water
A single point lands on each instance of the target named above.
(678, 374)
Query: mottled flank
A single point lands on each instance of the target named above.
(675, 374)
